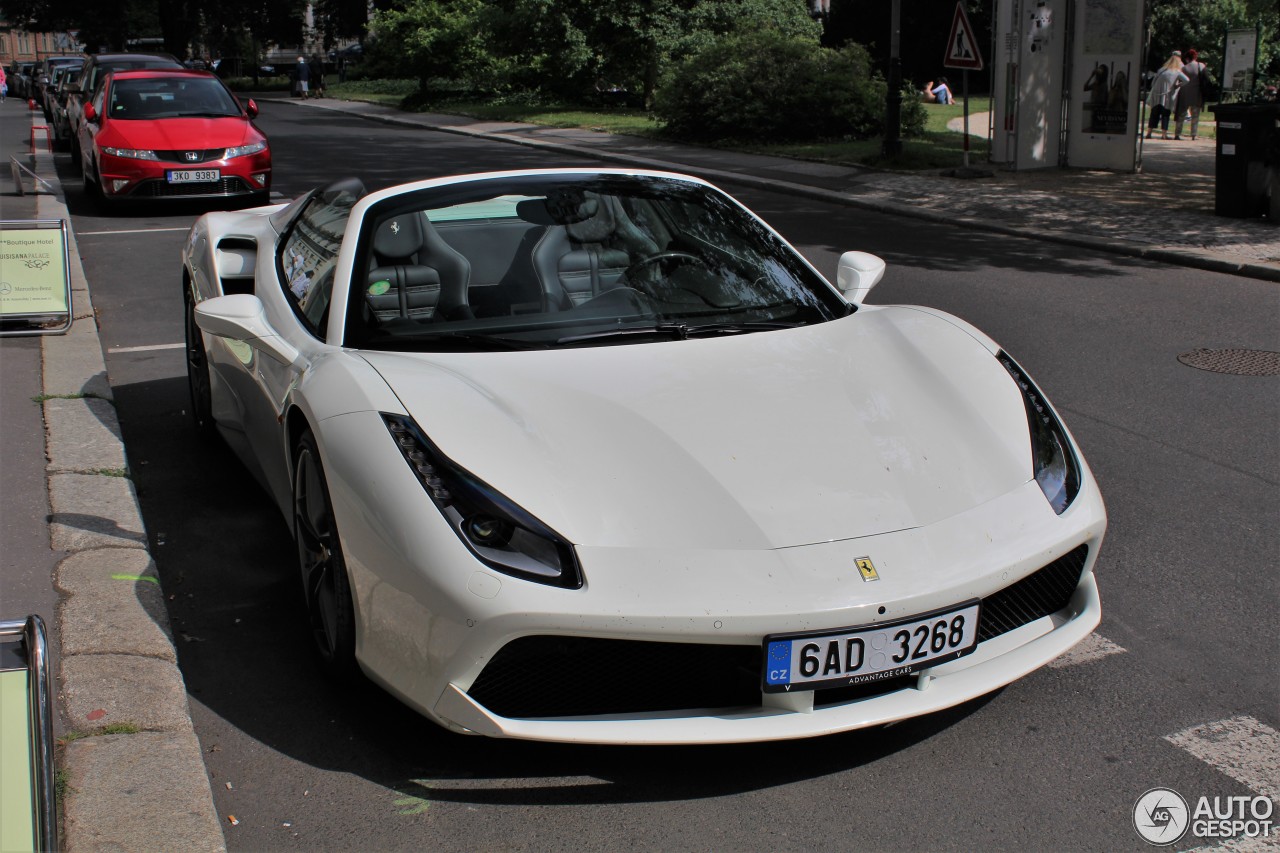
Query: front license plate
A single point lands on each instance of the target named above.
(193, 176)
(862, 655)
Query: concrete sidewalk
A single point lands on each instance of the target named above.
(145, 787)
(132, 773)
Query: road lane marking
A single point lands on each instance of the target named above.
(1243, 748)
(134, 231)
(1091, 648)
(149, 348)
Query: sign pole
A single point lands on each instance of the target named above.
(963, 54)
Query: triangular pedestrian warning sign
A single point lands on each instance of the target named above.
(962, 47)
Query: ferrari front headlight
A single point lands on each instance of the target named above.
(1054, 462)
(501, 534)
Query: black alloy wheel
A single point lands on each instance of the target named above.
(324, 571)
(198, 372)
(92, 189)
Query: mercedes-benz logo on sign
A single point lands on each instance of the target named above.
(191, 156)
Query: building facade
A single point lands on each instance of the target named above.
(19, 45)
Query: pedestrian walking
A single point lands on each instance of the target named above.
(317, 76)
(4, 85)
(302, 76)
(1191, 95)
(1163, 97)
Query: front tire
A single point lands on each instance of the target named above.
(198, 384)
(92, 191)
(324, 571)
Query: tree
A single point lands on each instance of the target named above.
(1180, 24)
(435, 38)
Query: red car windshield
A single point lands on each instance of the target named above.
(171, 97)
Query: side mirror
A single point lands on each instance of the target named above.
(241, 317)
(251, 108)
(857, 273)
(90, 114)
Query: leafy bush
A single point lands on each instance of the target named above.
(763, 85)
(914, 118)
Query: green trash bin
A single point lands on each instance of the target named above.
(1247, 139)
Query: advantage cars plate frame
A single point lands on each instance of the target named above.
(786, 655)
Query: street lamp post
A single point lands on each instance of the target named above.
(893, 100)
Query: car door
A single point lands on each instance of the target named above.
(304, 274)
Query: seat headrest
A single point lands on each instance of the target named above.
(598, 222)
(399, 237)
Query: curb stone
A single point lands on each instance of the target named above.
(109, 607)
(83, 435)
(145, 791)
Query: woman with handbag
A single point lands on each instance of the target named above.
(1163, 97)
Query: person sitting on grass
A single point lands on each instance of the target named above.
(942, 92)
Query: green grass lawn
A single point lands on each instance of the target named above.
(937, 148)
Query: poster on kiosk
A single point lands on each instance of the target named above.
(1105, 110)
(1066, 82)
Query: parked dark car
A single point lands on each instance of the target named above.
(20, 85)
(61, 121)
(49, 97)
(43, 75)
(91, 74)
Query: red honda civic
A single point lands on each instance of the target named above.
(171, 133)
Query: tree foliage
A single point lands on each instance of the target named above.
(761, 84)
(433, 38)
(182, 24)
(1202, 24)
(567, 48)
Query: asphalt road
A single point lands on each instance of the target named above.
(1187, 461)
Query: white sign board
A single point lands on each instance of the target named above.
(1239, 61)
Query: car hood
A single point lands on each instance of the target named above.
(178, 134)
(885, 420)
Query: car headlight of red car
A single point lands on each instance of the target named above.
(244, 150)
(130, 153)
(499, 533)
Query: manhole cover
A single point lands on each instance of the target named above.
(1241, 362)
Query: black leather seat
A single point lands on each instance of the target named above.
(423, 275)
(126, 104)
(579, 261)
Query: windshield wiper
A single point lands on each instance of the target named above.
(739, 328)
(428, 340)
(679, 331)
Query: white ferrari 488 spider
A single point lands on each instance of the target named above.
(597, 456)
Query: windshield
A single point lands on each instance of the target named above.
(171, 97)
(572, 260)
